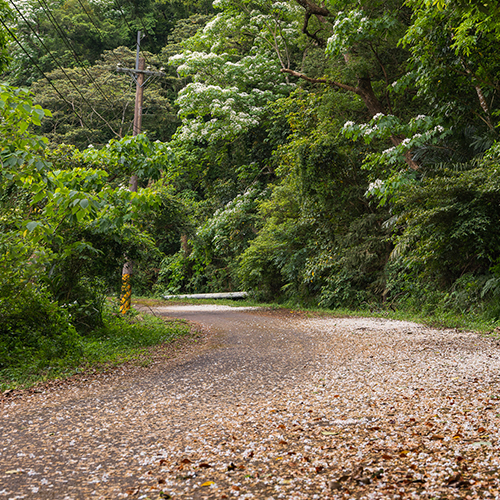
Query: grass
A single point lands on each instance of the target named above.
(120, 340)
(149, 301)
(435, 319)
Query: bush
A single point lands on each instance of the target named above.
(258, 273)
(173, 276)
(35, 332)
(448, 224)
(38, 342)
(351, 273)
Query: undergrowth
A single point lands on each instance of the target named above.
(124, 339)
(119, 340)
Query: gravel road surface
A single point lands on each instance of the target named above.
(268, 405)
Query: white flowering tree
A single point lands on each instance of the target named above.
(234, 63)
(360, 43)
(417, 132)
(367, 43)
(452, 70)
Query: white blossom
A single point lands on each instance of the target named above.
(376, 184)
(388, 151)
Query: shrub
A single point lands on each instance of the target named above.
(448, 224)
(209, 260)
(35, 331)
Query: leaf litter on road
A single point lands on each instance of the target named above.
(374, 414)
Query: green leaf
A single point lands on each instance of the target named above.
(39, 196)
(31, 226)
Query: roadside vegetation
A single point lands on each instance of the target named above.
(441, 316)
(56, 350)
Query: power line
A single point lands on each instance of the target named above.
(64, 72)
(45, 76)
(68, 44)
(143, 26)
(61, 32)
(124, 16)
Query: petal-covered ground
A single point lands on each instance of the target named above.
(268, 405)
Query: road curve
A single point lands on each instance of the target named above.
(275, 405)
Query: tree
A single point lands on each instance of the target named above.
(5, 16)
(75, 33)
(66, 220)
(455, 116)
(363, 45)
(449, 66)
(63, 33)
(319, 237)
(235, 72)
(94, 111)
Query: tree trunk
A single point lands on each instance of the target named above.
(365, 91)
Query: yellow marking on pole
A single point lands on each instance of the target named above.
(126, 297)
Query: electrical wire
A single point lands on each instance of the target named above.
(45, 76)
(143, 26)
(96, 27)
(64, 71)
(68, 44)
(124, 16)
(61, 32)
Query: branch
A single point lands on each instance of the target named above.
(385, 76)
(313, 8)
(313, 36)
(488, 122)
(365, 91)
(480, 95)
(349, 88)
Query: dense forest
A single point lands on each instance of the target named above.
(340, 153)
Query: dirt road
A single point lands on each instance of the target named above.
(270, 405)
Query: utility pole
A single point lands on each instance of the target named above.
(138, 74)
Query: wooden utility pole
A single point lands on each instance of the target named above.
(138, 74)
